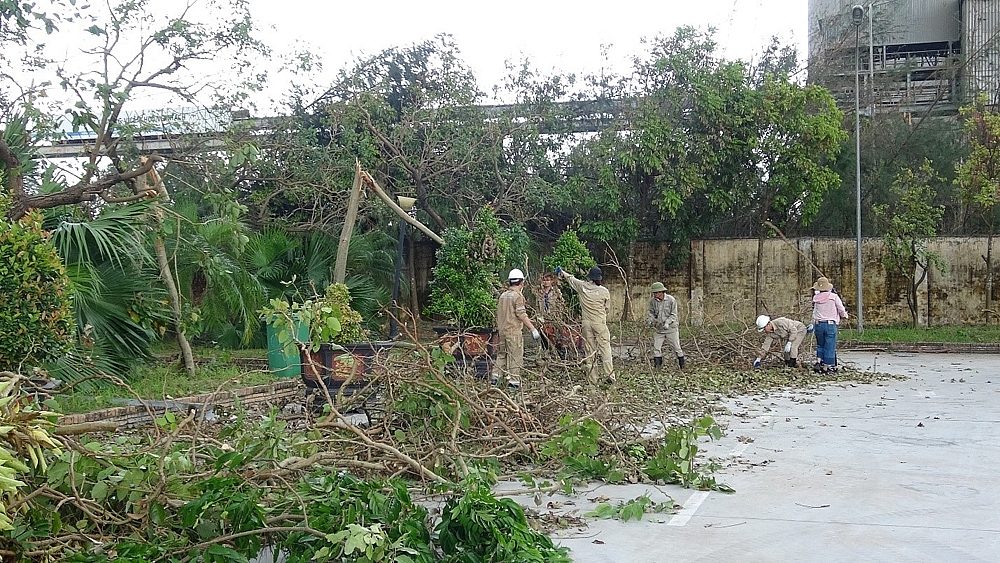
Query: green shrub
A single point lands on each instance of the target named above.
(476, 526)
(36, 322)
(570, 253)
(467, 273)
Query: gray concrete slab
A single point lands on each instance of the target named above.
(902, 470)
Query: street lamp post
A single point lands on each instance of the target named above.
(407, 204)
(857, 17)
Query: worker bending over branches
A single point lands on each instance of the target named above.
(789, 331)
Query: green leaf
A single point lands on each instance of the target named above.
(354, 543)
(100, 491)
(157, 514)
(602, 510)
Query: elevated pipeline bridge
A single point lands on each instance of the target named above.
(583, 116)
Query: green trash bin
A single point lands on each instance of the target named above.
(278, 362)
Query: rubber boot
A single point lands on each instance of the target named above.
(792, 362)
(658, 362)
(680, 361)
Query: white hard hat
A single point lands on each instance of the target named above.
(762, 322)
(515, 274)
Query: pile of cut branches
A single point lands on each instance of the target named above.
(418, 424)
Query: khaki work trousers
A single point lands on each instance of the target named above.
(510, 356)
(796, 339)
(671, 337)
(598, 339)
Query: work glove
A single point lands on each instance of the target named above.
(810, 329)
(788, 347)
(535, 334)
(756, 363)
(559, 270)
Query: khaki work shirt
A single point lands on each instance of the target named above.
(511, 312)
(595, 300)
(783, 331)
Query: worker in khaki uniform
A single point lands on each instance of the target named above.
(791, 332)
(662, 318)
(595, 300)
(511, 316)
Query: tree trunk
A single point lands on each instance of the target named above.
(629, 275)
(152, 181)
(411, 274)
(989, 271)
(15, 180)
(344, 246)
(175, 302)
(911, 292)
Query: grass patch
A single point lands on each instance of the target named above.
(954, 334)
(171, 381)
(164, 381)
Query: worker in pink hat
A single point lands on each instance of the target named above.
(828, 311)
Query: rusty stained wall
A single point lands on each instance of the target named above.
(717, 283)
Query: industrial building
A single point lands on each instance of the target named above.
(918, 57)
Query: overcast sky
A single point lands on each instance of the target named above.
(554, 34)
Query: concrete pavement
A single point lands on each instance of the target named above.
(901, 470)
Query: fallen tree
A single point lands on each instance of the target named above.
(331, 484)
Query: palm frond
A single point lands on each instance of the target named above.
(368, 298)
(267, 256)
(114, 236)
(319, 252)
(89, 369)
(104, 300)
(233, 298)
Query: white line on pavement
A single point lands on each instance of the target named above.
(690, 507)
(698, 497)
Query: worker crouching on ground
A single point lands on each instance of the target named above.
(662, 318)
(595, 300)
(511, 316)
(791, 332)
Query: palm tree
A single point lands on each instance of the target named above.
(116, 299)
(297, 268)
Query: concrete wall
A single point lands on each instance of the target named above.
(717, 283)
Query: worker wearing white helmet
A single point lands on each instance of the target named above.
(789, 331)
(511, 316)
